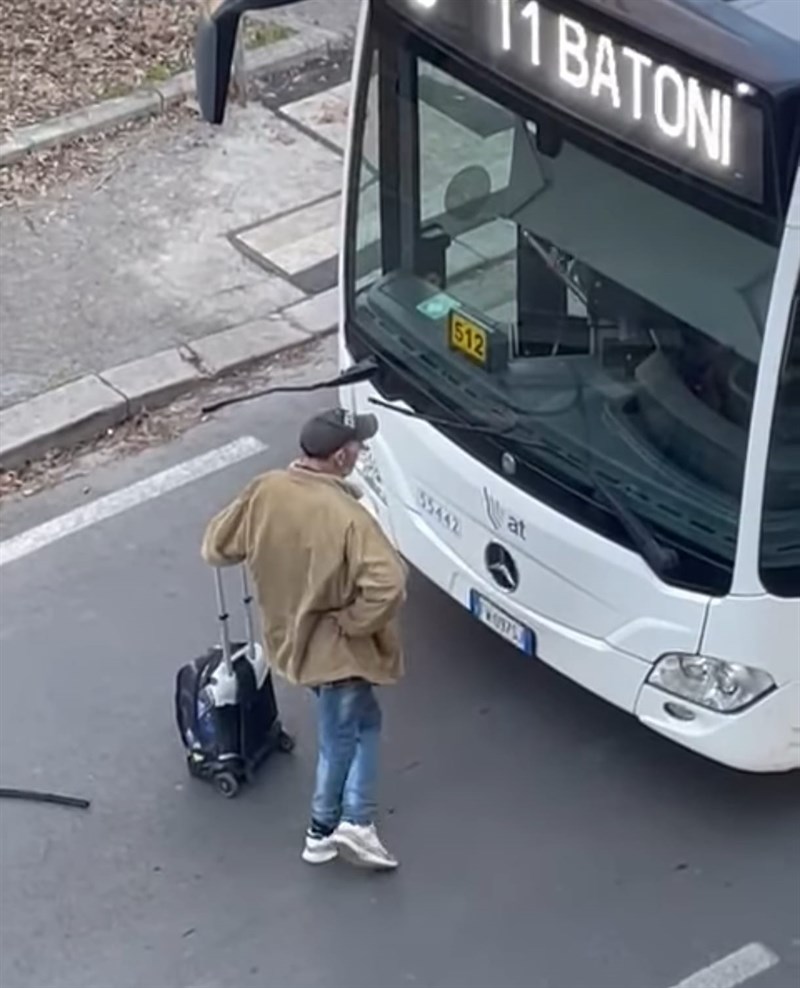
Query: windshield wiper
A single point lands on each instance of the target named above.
(494, 423)
(499, 422)
(552, 265)
(355, 374)
(661, 559)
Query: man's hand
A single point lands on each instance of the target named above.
(380, 581)
(224, 542)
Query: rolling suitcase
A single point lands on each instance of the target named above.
(225, 705)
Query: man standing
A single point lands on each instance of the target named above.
(329, 585)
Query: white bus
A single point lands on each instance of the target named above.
(571, 248)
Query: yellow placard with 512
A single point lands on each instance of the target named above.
(467, 337)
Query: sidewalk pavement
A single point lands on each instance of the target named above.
(130, 290)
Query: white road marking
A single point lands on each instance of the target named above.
(127, 497)
(734, 969)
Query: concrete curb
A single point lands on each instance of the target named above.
(84, 409)
(309, 43)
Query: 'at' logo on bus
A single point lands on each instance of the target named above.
(501, 519)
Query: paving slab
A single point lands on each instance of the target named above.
(77, 411)
(335, 15)
(156, 379)
(316, 315)
(326, 113)
(231, 349)
(297, 240)
(301, 246)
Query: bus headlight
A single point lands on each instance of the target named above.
(712, 683)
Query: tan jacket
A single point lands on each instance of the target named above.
(328, 581)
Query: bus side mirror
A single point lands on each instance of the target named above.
(214, 44)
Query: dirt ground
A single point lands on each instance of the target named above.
(58, 55)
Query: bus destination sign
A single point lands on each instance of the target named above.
(650, 104)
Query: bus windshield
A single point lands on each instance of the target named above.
(618, 326)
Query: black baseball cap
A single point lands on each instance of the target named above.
(326, 433)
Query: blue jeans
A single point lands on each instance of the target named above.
(348, 727)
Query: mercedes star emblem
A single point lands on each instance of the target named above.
(501, 567)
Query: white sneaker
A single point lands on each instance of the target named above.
(362, 846)
(319, 850)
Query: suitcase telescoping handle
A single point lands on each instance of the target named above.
(224, 616)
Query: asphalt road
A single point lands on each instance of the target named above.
(546, 840)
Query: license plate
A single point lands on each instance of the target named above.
(507, 627)
(468, 338)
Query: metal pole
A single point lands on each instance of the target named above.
(223, 621)
(248, 613)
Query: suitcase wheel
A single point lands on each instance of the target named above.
(226, 784)
(285, 742)
(194, 767)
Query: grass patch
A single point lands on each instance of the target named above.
(117, 89)
(159, 73)
(259, 35)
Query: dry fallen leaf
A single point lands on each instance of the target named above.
(62, 55)
(59, 55)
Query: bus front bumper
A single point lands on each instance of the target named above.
(763, 738)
